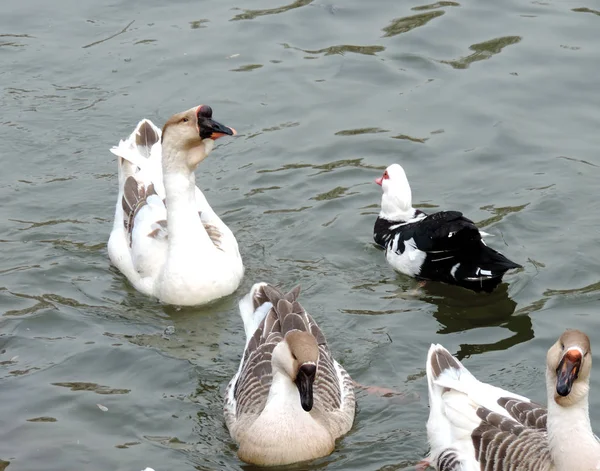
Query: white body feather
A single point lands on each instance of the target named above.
(179, 264)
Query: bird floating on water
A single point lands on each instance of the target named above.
(444, 246)
(290, 400)
(166, 239)
(474, 426)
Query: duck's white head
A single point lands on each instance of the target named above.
(188, 137)
(396, 201)
(569, 363)
(297, 356)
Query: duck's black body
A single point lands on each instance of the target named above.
(444, 246)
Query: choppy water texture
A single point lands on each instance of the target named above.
(492, 107)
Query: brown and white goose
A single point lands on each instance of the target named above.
(290, 400)
(166, 239)
(474, 426)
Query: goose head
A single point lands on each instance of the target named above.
(396, 201)
(297, 357)
(188, 137)
(569, 363)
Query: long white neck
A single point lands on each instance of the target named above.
(396, 201)
(572, 441)
(186, 232)
(394, 209)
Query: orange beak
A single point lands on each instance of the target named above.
(567, 371)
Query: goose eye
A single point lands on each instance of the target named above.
(385, 175)
(185, 120)
(294, 357)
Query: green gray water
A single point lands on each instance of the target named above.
(491, 106)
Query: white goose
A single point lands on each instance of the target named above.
(166, 239)
(290, 399)
(475, 426)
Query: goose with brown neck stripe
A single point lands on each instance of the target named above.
(474, 426)
(290, 400)
(444, 246)
(166, 239)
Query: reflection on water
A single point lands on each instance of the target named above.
(252, 14)
(499, 213)
(458, 311)
(586, 10)
(435, 5)
(483, 51)
(408, 23)
(358, 132)
(341, 50)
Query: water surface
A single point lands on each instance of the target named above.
(491, 107)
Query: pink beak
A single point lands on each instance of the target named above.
(379, 181)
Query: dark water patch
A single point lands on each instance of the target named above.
(290, 210)
(406, 137)
(335, 193)
(42, 419)
(483, 51)
(197, 24)
(499, 213)
(258, 191)
(586, 10)
(127, 445)
(341, 50)
(247, 68)
(23, 372)
(435, 5)
(252, 14)
(93, 387)
(359, 131)
(408, 23)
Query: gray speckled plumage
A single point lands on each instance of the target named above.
(512, 437)
(254, 381)
(511, 443)
(247, 393)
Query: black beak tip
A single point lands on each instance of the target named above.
(563, 390)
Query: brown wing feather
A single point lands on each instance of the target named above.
(253, 384)
(502, 443)
(145, 138)
(526, 413)
(135, 194)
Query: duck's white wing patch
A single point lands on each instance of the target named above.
(409, 261)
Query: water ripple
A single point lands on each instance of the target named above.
(586, 10)
(252, 14)
(356, 132)
(499, 213)
(433, 6)
(483, 51)
(408, 23)
(247, 68)
(341, 49)
(93, 387)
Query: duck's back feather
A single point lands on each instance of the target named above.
(444, 246)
